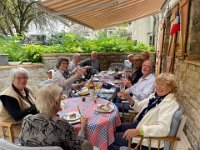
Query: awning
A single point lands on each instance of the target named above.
(98, 14)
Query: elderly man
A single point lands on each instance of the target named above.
(74, 64)
(136, 73)
(145, 85)
(93, 62)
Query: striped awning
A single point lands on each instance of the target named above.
(98, 14)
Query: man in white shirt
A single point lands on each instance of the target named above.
(144, 87)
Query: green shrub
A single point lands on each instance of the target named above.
(68, 43)
(31, 53)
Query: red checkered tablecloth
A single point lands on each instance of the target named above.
(101, 126)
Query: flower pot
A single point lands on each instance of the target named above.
(3, 59)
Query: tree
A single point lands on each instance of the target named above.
(16, 15)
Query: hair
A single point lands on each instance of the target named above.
(60, 61)
(76, 55)
(170, 80)
(146, 53)
(16, 71)
(47, 97)
(94, 53)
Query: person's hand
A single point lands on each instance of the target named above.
(82, 83)
(127, 83)
(123, 95)
(79, 73)
(130, 133)
(84, 122)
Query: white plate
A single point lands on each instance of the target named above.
(117, 81)
(99, 108)
(69, 118)
(105, 91)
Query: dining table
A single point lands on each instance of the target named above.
(101, 125)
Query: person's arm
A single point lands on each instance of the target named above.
(58, 77)
(13, 108)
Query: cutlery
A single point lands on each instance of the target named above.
(79, 111)
(109, 102)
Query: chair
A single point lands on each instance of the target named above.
(176, 129)
(120, 66)
(127, 65)
(5, 145)
(131, 113)
(9, 126)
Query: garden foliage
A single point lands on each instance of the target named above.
(67, 43)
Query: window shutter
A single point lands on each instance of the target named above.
(160, 49)
(173, 41)
(184, 10)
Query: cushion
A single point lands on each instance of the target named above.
(176, 120)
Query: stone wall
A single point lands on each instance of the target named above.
(38, 73)
(188, 75)
(50, 60)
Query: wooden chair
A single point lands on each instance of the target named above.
(176, 130)
(7, 125)
(131, 113)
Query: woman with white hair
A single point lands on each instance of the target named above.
(47, 129)
(17, 101)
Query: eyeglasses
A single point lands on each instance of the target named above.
(21, 78)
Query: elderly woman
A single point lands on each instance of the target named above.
(17, 101)
(46, 128)
(155, 114)
(63, 78)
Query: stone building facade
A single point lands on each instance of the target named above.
(187, 71)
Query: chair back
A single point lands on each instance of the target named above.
(127, 64)
(178, 122)
(5, 145)
(120, 66)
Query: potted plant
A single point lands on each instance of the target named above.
(3, 59)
